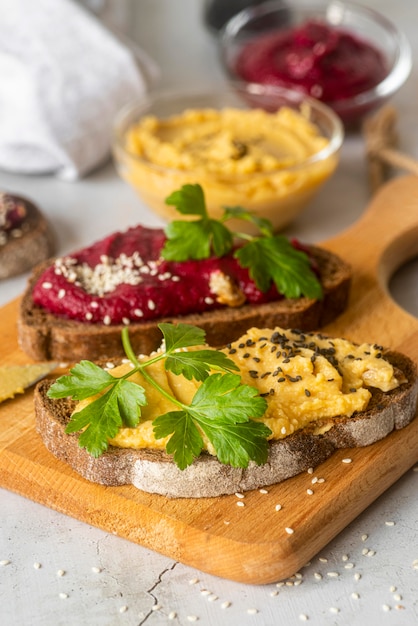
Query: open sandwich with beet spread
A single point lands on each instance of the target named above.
(196, 271)
(25, 235)
(192, 421)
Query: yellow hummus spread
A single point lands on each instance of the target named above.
(264, 161)
(305, 378)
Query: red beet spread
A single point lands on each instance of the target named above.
(134, 282)
(329, 64)
(12, 212)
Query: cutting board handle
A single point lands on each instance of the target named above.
(377, 244)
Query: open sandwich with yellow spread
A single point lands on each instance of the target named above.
(192, 421)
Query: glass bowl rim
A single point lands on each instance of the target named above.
(134, 110)
(396, 76)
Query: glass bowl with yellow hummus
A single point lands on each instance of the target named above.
(263, 148)
(348, 56)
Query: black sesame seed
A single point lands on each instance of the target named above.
(232, 351)
(307, 393)
(353, 390)
(253, 373)
(246, 355)
(256, 359)
(281, 379)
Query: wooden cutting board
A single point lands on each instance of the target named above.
(248, 543)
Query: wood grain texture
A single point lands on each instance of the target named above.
(248, 543)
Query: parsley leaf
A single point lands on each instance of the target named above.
(85, 380)
(198, 364)
(274, 258)
(185, 443)
(194, 239)
(100, 420)
(222, 408)
(267, 257)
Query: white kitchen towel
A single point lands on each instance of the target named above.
(63, 78)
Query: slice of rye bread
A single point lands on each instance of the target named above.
(154, 471)
(44, 336)
(34, 245)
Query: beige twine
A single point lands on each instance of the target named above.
(381, 148)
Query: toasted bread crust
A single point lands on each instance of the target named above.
(155, 472)
(44, 336)
(34, 246)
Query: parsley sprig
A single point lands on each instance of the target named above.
(222, 408)
(268, 257)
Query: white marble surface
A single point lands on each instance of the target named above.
(136, 586)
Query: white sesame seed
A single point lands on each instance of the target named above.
(303, 617)
(321, 480)
(240, 495)
(151, 305)
(314, 480)
(280, 584)
(310, 470)
(94, 304)
(193, 581)
(289, 583)
(252, 611)
(365, 551)
(225, 605)
(37, 565)
(156, 607)
(61, 294)
(344, 557)
(60, 572)
(364, 537)
(297, 583)
(309, 492)
(323, 559)
(263, 491)
(240, 503)
(175, 279)
(212, 598)
(63, 596)
(205, 592)
(399, 607)
(415, 564)
(355, 595)
(192, 618)
(96, 570)
(138, 313)
(333, 574)
(392, 589)
(172, 615)
(283, 430)
(208, 300)
(126, 321)
(371, 553)
(349, 566)
(397, 597)
(347, 460)
(289, 531)
(278, 507)
(4, 562)
(123, 609)
(106, 320)
(317, 576)
(390, 523)
(334, 609)
(274, 593)
(89, 315)
(386, 608)
(47, 285)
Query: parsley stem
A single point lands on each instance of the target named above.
(140, 367)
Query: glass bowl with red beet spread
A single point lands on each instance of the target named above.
(350, 57)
